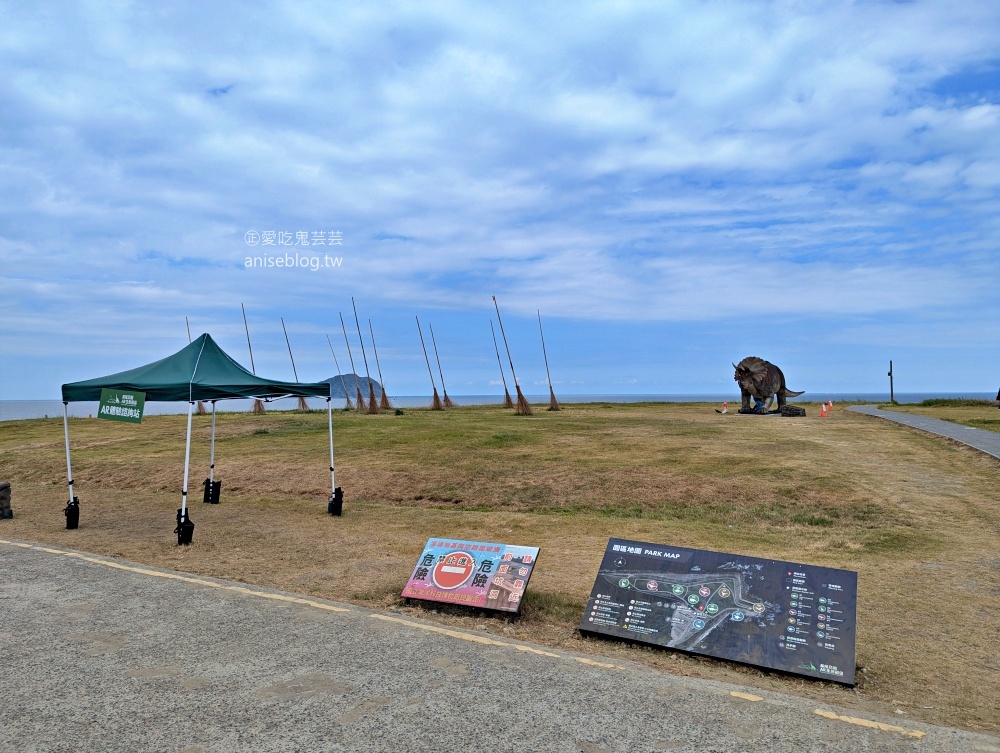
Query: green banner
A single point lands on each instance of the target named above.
(122, 405)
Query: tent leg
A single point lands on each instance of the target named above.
(185, 528)
(72, 510)
(211, 460)
(336, 504)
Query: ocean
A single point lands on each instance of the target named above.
(17, 410)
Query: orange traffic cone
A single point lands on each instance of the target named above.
(822, 410)
(725, 407)
(829, 407)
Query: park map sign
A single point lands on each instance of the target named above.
(472, 573)
(778, 615)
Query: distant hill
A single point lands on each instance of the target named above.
(353, 382)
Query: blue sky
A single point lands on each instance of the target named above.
(673, 185)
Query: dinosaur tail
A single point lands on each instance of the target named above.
(789, 393)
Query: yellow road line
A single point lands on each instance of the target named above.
(471, 637)
(745, 696)
(593, 663)
(183, 578)
(916, 734)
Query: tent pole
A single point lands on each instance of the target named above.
(329, 416)
(211, 459)
(69, 469)
(187, 464)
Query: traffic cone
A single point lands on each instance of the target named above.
(829, 407)
(725, 407)
(822, 410)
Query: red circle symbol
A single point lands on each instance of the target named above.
(453, 570)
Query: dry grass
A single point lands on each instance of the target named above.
(915, 516)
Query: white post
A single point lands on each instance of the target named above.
(69, 469)
(329, 414)
(211, 460)
(187, 462)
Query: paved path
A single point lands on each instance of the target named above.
(981, 439)
(103, 655)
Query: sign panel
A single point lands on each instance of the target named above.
(778, 615)
(122, 405)
(473, 573)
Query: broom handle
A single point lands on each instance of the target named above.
(375, 348)
(499, 362)
(337, 364)
(367, 373)
(249, 346)
(544, 354)
(436, 356)
(431, 373)
(347, 342)
(504, 335)
(289, 344)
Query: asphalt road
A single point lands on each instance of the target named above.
(981, 439)
(104, 655)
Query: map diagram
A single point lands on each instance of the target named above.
(779, 615)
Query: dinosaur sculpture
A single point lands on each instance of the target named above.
(762, 381)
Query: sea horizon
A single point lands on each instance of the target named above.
(18, 410)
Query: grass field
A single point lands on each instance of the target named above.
(916, 516)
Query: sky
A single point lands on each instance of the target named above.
(667, 186)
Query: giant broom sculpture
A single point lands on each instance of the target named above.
(436, 403)
(553, 403)
(384, 404)
(372, 402)
(447, 400)
(523, 408)
(258, 404)
(507, 402)
(303, 405)
(361, 400)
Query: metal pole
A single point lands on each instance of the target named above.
(892, 397)
(329, 416)
(211, 460)
(69, 469)
(187, 462)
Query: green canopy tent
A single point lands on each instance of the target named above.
(200, 371)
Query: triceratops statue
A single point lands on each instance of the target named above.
(761, 380)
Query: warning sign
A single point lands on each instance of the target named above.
(474, 573)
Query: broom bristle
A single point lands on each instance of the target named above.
(361, 401)
(553, 403)
(258, 407)
(507, 402)
(436, 404)
(523, 408)
(303, 405)
(201, 408)
(447, 400)
(384, 404)
(372, 402)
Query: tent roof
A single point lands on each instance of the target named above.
(200, 371)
